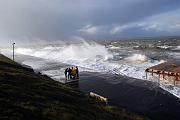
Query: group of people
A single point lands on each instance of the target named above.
(71, 73)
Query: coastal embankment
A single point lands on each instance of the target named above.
(26, 95)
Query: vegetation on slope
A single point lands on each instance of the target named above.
(25, 95)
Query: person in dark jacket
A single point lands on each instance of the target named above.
(66, 73)
(70, 73)
(77, 73)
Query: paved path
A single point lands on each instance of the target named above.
(140, 96)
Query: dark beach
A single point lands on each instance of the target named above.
(139, 96)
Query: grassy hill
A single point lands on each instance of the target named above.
(25, 95)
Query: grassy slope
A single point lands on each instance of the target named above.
(25, 95)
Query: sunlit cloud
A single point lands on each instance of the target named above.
(119, 28)
(89, 29)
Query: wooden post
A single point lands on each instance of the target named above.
(163, 74)
(176, 78)
(159, 79)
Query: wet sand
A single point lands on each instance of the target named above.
(139, 96)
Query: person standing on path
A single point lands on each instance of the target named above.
(77, 73)
(66, 73)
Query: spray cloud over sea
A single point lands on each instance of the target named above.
(93, 56)
(118, 58)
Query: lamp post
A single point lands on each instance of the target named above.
(13, 50)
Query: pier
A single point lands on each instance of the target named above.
(169, 71)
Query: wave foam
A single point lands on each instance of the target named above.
(137, 58)
(93, 56)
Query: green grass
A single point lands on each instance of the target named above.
(25, 95)
(5, 59)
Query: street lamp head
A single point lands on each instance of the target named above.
(13, 43)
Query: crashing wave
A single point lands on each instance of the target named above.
(96, 57)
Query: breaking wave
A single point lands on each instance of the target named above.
(65, 54)
(137, 58)
(97, 58)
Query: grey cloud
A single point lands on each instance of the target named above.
(61, 19)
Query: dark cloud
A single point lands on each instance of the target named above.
(118, 11)
(62, 19)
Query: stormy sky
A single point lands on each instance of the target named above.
(53, 20)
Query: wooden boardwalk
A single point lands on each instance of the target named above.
(166, 71)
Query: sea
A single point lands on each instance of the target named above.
(129, 57)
